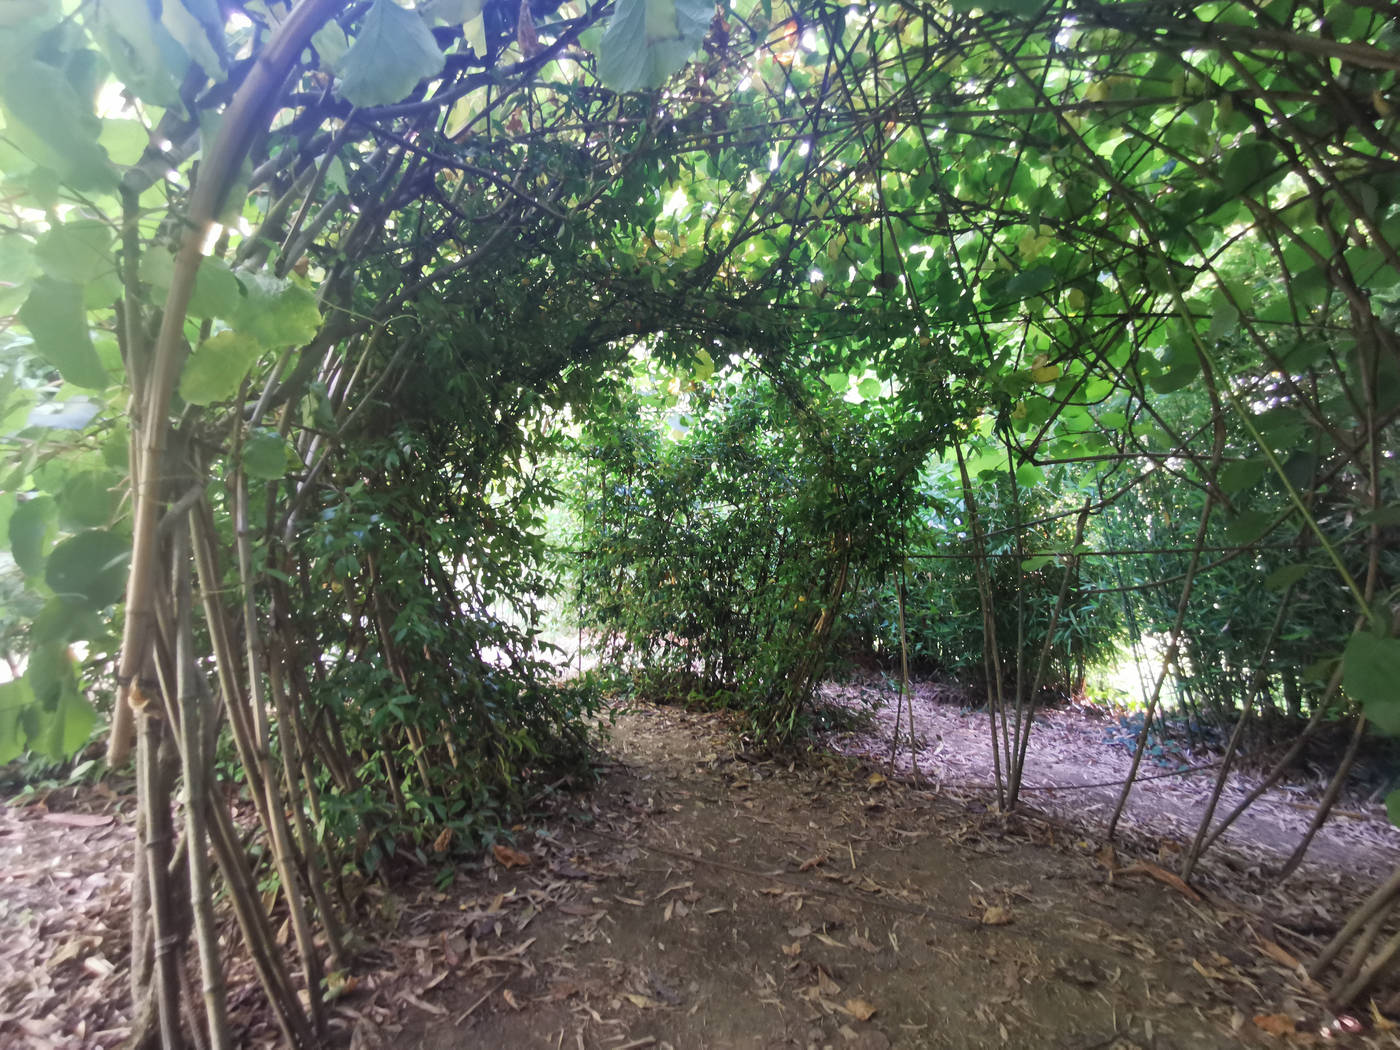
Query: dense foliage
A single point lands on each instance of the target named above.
(713, 555)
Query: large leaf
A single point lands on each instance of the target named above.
(217, 291)
(88, 499)
(15, 699)
(61, 720)
(89, 568)
(265, 455)
(53, 125)
(144, 55)
(31, 532)
(648, 40)
(275, 313)
(78, 251)
(393, 52)
(215, 370)
(55, 317)
(1370, 672)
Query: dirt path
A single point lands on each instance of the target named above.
(64, 866)
(699, 901)
(696, 899)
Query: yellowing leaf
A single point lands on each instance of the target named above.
(860, 1009)
(215, 370)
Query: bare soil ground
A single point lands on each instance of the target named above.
(64, 860)
(699, 898)
(1075, 767)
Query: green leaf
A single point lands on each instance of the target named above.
(1382, 516)
(330, 43)
(265, 454)
(648, 40)
(217, 291)
(89, 568)
(55, 317)
(31, 532)
(78, 251)
(146, 58)
(393, 52)
(869, 388)
(275, 313)
(88, 499)
(1029, 475)
(1283, 578)
(1392, 807)
(1242, 475)
(197, 26)
(1246, 165)
(15, 698)
(1370, 671)
(1251, 525)
(1031, 564)
(65, 719)
(54, 126)
(215, 370)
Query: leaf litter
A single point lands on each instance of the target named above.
(668, 909)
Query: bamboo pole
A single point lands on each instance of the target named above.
(197, 784)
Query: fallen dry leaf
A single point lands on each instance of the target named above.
(825, 984)
(443, 840)
(996, 915)
(644, 1002)
(510, 999)
(1275, 1024)
(1382, 1023)
(1278, 953)
(510, 858)
(860, 1009)
(79, 820)
(793, 949)
(1162, 875)
(811, 862)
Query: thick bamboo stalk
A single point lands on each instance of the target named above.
(196, 776)
(245, 118)
(252, 921)
(283, 850)
(155, 799)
